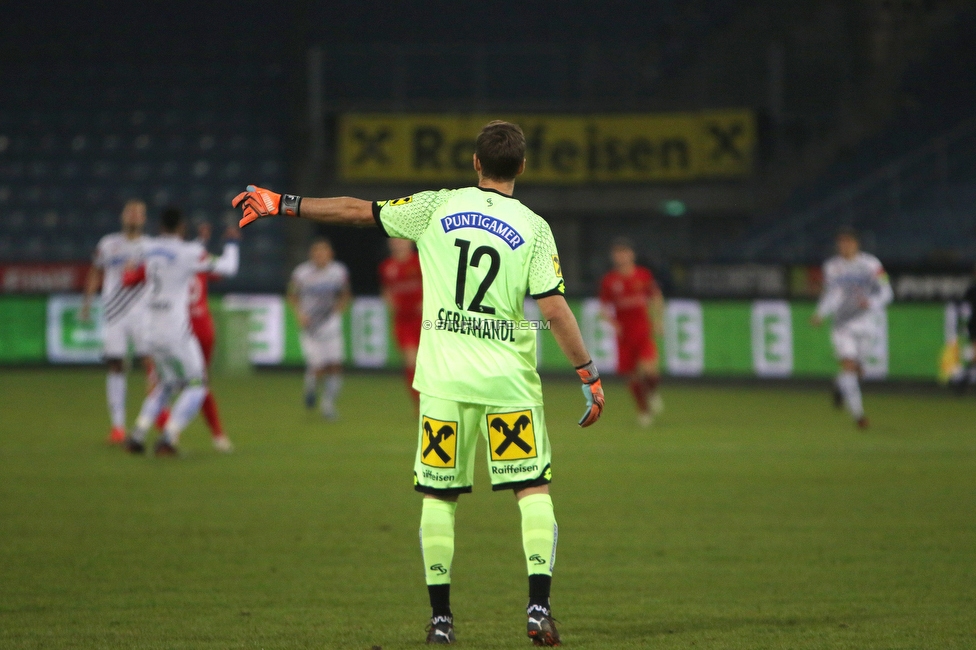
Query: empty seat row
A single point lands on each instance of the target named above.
(35, 196)
(94, 169)
(17, 141)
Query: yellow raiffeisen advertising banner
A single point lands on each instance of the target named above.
(563, 149)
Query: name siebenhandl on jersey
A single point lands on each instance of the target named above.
(495, 226)
(482, 328)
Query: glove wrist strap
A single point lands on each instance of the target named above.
(588, 373)
(291, 205)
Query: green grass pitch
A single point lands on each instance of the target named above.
(749, 518)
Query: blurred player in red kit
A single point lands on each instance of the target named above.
(632, 302)
(201, 321)
(403, 291)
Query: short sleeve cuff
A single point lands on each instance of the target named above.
(558, 290)
(376, 217)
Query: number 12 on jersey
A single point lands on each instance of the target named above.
(495, 262)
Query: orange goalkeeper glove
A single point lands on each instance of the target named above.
(593, 392)
(257, 202)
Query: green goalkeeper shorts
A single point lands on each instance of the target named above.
(518, 446)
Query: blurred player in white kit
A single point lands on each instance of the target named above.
(170, 268)
(124, 311)
(319, 293)
(856, 289)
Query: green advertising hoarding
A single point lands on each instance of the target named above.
(765, 338)
(22, 328)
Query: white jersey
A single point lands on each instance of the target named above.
(171, 267)
(319, 290)
(113, 254)
(853, 288)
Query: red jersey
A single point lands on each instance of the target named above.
(198, 297)
(199, 308)
(629, 295)
(404, 285)
(200, 318)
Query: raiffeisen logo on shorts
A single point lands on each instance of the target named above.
(514, 469)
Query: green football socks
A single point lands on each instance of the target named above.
(539, 536)
(539, 533)
(437, 540)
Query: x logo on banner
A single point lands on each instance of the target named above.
(371, 146)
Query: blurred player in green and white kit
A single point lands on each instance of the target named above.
(856, 290)
(481, 251)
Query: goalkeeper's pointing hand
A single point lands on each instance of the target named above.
(593, 392)
(257, 202)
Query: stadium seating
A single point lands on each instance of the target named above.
(90, 123)
(616, 64)
(96, 133)
(84, 127)
(909, 194)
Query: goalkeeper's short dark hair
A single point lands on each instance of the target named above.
(848, 232)
(171, 218)
(501, 149)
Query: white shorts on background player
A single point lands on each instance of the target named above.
(179, 359)
(129, 329)
(323, 345)
(854, 338)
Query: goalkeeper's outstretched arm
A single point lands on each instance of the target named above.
(257, 202)
(341, 211)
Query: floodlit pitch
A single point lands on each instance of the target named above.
(747, 518)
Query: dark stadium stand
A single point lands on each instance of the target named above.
(128, 111)
(910, 188)
(180, 109)
(73, 153)
(610, 58)
(914, 211)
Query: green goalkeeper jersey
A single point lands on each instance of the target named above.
(480, 251)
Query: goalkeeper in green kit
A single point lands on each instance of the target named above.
(481, 251)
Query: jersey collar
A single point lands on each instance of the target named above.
(492, 189)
